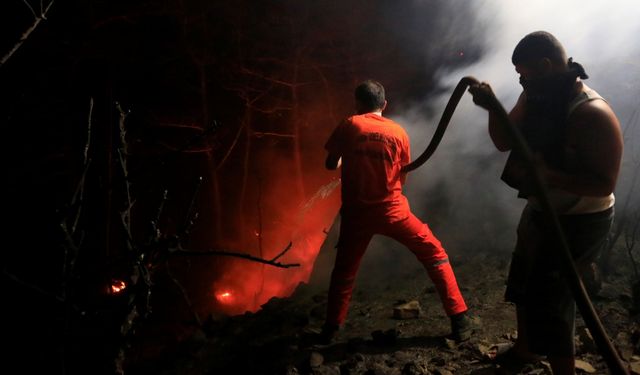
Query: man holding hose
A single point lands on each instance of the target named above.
(371, 151)
(577, 142)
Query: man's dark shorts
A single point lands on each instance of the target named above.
(535, 279)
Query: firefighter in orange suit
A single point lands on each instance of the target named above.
(371, 150)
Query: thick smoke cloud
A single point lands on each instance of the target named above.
(458, 192)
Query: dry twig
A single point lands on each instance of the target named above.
(271, 262)
(38, 18)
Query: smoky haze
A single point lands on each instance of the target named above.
(458, 191)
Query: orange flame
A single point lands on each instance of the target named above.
(246, 286)
(117, 286)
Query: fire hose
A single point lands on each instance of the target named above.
(570, 273)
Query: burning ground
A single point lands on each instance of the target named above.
(374, 341)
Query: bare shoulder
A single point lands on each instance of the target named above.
(594, 126)
(596, 113)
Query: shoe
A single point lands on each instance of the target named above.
(328, 333)
(462, 326)
(314, 336)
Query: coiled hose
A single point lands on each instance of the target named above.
(589, 315)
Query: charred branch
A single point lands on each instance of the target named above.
(233, 145)
(225, 253)
(192, 215)
(155, 230)
(272, 134)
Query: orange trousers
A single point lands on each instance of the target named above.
(356, 232)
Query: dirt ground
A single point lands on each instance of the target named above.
(372, 341)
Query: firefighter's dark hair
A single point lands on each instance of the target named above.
(538, 45)
(370, 95)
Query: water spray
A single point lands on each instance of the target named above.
(591, 319)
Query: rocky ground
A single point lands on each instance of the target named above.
(373, 341)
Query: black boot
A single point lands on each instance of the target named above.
(462, 327)
(328, 333)
(314, 336)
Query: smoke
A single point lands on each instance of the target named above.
(458, 192)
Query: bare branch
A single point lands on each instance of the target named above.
(78, 196)
(266, 78)
(233, 145)
(89, 121)
(73, 244)
(156, 221)
(271, 262)
(31, 8)
(272, 134)
(125, 219)
(179, 126)
(123, 152)
(282, 252)
(26, 34)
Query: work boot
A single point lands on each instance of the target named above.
(462, 327)
(314, 336)
(328, 333)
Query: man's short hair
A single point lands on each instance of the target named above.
(370, 95)
(538, 45)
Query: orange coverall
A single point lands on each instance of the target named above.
(373, 150)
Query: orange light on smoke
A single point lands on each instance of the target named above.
(117, 286)
(224, 297)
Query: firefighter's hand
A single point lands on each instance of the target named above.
(483, 96)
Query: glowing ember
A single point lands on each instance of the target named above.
(117, 286)
(224, 297)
